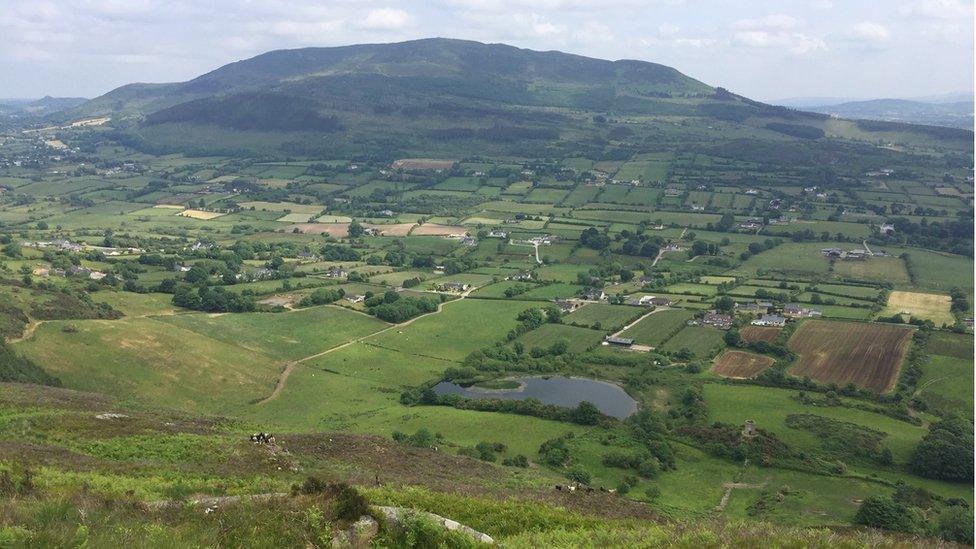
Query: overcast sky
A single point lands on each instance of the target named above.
(762, 49)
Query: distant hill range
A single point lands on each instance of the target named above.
(952, 110)
(435, 94)
(39, 107)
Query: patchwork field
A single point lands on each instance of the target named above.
(867, 355)
(740, 364)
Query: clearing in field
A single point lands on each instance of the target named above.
(759, 333)
(433, 229)
(169, 206)
(867, 355)
(335, 230)
(422, 164)
(934, 307)
(740, 364)
(716, 279)
(295, 218)
(395, 229)
(200, 214)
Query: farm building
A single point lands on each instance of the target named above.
(336, 272)
(453, 287)
(567, 305)
(793, 310)
(359, 298)
(594, 294)
(621, 341)
(770, 320)
(757, 307)
(717, 320)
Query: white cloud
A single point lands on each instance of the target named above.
(385, 19)
(870, 31)
(793, 42)
(668, 29)
(778, 21)
(776, 31)
(938, 9)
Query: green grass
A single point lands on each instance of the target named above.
(461, 327)
(657, 328)
(703, 341)
(154, 361)
(282, 336)
(604, 316)
(578, 339)
(947, 384)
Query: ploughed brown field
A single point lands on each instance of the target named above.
(867, 355)
(740, 364)
(759, 333)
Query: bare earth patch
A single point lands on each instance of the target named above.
(200, 214)
(422, 164)
(867, 355)
(335, 230)
(740, 364)
(433, 229)
(759, 333)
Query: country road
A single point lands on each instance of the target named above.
(290, 366)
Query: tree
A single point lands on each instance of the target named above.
(585, 413)
(946, 452)
(956, 524)
(724, 303)
(732, 338)
(884, 512)
(593, 238)
(356, 229)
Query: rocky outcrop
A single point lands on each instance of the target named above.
(396, 516)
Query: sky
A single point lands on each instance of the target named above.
(762, 49)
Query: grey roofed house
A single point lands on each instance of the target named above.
(770, 320)
(594, 294)
(566, 305)
(718, 320)
(623, 341)
(454, 286)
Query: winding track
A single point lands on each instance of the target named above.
(290, 366)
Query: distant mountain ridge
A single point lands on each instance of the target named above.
(950, 110)
(426, 95)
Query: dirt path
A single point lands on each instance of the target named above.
(290, 366)
(642, 317)
(28, 332)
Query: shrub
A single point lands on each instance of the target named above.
(885, 513)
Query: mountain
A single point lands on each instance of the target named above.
(395, 74)
(430, 95)
(958, 114)
(39, 107)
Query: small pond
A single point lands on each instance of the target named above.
(556, 390)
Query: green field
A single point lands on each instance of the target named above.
(604, 316)
(577, 339)
(657, 328)
(282, 336)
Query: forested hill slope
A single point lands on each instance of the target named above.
(455, 98)
(454, 67)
